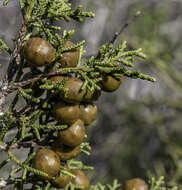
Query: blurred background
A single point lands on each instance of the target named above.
(139, 129)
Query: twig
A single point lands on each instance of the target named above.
(5, 147)
(6, 182)
(16, 53)
(22, 33)
(17, 85)
(27, 109)
(124, 26)
(3, 93)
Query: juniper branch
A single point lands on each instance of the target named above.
(15, 57)
(18, 145)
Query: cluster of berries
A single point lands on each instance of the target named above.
(73, 107)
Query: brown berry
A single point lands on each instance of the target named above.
(70, 58)
(38, 52)
(74, 93)
(91, 96)
(88, 113)
(80, 179)
(73, 135)
(47, 161)
(66, 113)
(62, 180)
(135, 183)
(110, 84)
(65, 152)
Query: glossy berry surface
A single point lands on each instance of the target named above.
(47, 161)
(80, 179)
(73, 135)
(135, 183)
(70, 58)
(65, 152)
(61, 180)
(38, 52)
(74, 92)
(88, 113)
(110, 84)
(66, 113)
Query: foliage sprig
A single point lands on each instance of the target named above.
(34, 122)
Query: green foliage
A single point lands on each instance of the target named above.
(3, 46)
(151, 124)
(159, 184)
(154, 185)
(34, 123)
